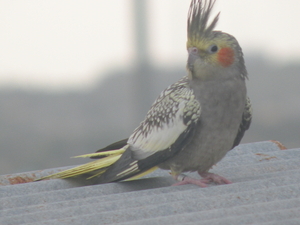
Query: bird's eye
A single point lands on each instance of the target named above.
(213, 49)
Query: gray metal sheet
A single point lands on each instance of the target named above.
(265, 190)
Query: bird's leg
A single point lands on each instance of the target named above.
(183, 179)
(214, 178)
(206, 178)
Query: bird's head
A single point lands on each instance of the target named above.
(209, 51)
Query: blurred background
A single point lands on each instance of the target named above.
(78, 75)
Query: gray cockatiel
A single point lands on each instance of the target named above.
(194, 122)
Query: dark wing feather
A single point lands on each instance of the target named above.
(245, 123)
(113, 146)
(162, 134)
(116, 172)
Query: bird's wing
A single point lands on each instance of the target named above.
(173, 113)
(245, 123)
(162, 134)
(165, 131)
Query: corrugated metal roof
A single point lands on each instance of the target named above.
(265, 190)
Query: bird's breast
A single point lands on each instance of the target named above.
(222, 106)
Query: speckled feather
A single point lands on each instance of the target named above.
(163, 133)
(166, 106)
(170, 115)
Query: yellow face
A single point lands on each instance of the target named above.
(218, 50)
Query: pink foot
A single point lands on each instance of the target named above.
(188, 180)
(215, 178)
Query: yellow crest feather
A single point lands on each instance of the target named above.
(197, 23)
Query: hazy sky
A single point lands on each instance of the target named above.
(67, 43)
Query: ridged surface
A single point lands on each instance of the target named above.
(265, 190)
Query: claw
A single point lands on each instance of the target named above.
(183, 179)
(215, 178)
(207, 178)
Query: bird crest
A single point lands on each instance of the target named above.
(197, 23)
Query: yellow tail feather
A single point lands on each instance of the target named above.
(98, 166)
(106, 153)
(85, 168)
(142, 174)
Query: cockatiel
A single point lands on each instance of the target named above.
(194, 122)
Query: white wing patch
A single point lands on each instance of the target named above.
(159, 138)
(170, 115)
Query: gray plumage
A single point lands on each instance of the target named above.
(222, 107)
(221, 110)
(194, 122)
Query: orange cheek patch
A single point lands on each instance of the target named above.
(226, 56)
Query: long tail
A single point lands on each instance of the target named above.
(98, 167)
(95, 168)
